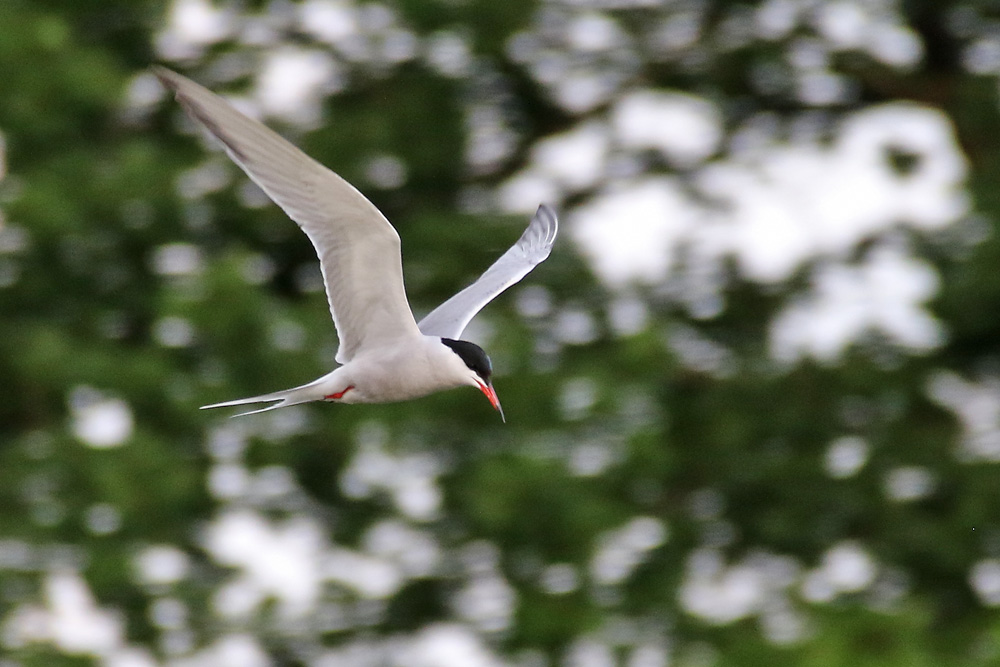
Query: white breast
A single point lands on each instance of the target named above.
(403, 372)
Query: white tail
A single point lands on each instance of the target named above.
(293, 396)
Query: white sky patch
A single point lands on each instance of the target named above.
(896, 45)
(228, 481)
(789, 204)
(445, 645)
(843, 24)
(982, 56)
(589, 652)
(232, 650)
(489, 138)
(766, 222)
(653, 654)
(846, 456)
(523, 192)
(161, 564)
(909, 483)
(533, 301)
(288, 335)
(755, 586)
(631, 234)
(131, 657)
(685, 129)
(560, 579)
(576, 398)
(330, 21)
(575, 159)
(257, 268)
(273, 483)
(619, 552)
(409, 479)
(17, 555)
(874, 28)
(847, 567)
(192, 26)
(721, 594)
(984, 578)
(293, 82)
(69, 619)
(886, 294)
(581, 91)
(99, 421)
(582, 64)
(144, 92)
(102, 519)
(575, 326)
(282, 561)
(168, 613)
(386, 171)
(977, 407)
(775, 208)
(701, 353)
(371, 578)
(364, 33)
(628, 315)
(13, 239)
(930, 195)
(415, 551)
(594, 31)
(173, 331)
(212, 175)
(486, 600)
(775, 19)
(592, 458)
(562, 164)
(449, 53)
(178, 259)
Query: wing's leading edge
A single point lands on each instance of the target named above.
(450, 318)
(357, 247)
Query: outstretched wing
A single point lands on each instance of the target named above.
(357, 247)
(450, 318)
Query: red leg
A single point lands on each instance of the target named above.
(339, 394)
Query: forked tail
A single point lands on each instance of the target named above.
(282, 399)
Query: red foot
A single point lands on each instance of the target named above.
(339, 395)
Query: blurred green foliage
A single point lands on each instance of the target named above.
(91, 190)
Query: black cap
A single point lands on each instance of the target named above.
(473, 356)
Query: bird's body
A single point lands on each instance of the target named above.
(385, 354)
(400, 371)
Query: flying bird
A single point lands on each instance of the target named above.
(385, 355)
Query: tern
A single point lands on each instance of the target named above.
(384, 354)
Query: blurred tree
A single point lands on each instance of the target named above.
(753, 396)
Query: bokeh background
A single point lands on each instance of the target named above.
(753, 396)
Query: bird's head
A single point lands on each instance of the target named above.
(480, 369)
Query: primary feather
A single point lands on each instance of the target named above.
(450, 318)
(357, 247)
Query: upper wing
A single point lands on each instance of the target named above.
(450, 318)
(358, 249)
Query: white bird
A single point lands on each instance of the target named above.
(385, 355)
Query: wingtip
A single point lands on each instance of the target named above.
(167, 77)
(548, 215)
(542, 230)
(554, 227)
